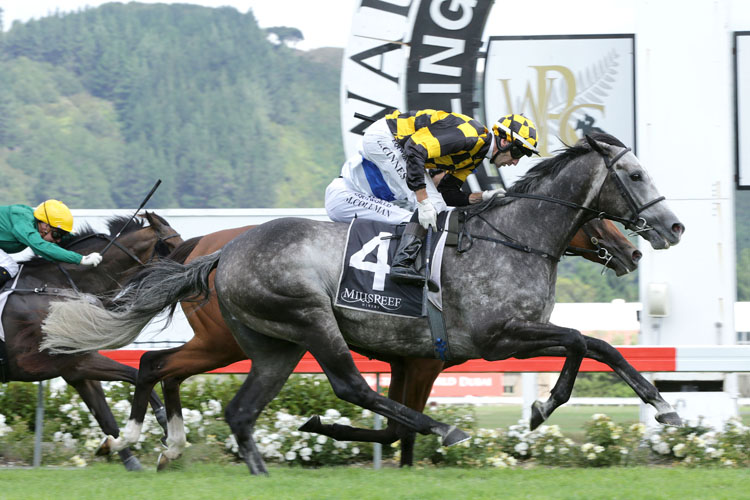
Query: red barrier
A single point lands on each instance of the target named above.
(643, 359)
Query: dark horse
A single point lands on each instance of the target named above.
(42, 281)
(275, 286)
(213, 346)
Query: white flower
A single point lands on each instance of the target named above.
(355, 450)
(598, 416)
(549, 448)
(521, 448)
(331, 413)
(78, 461)
(321, 439)
(586, 447)
(317, 448)
(662, 448)
(290, 455)
(591, 456)
(366, 413)
(305, 452)
(563, 450)
(679, 450)
(598, 449)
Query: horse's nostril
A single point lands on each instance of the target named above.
(637, 256)
(678, 228)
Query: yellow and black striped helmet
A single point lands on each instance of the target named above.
(519, 130)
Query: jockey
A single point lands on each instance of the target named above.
(40, 229)
(388, 178)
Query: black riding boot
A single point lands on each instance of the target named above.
(4, 276)
(404, 268)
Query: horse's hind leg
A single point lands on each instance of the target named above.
(92, 394)
(333, 355)
(273, 361)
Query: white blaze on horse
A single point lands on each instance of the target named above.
(276, 286)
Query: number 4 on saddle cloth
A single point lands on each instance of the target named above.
(364, 282)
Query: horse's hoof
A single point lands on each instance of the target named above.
(162, 462)
(105, 448)
(537, 416)
(455, 436)
(312, 424)
(671, 418)
(132, 464)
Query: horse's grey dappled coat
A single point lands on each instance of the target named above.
(276, 284)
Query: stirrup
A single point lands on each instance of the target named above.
(406, 276)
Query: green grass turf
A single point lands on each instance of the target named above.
(199, 481)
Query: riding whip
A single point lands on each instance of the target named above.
(145, 200)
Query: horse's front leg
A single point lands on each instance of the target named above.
(601, 351)
(92, 394)
(519, 338)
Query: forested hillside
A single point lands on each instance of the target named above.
(96, 105)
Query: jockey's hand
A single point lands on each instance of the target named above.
(427, 214)
(486, 195)
(92, 259)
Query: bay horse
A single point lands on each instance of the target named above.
(42, 281)
(275, 287)
(212, 346)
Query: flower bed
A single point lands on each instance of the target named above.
(71, 435)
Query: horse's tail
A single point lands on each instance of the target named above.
(79, 326)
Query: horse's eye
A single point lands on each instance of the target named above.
(636, 177)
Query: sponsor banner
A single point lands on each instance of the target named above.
(445, 45)
(409, 54)
(453, 384)
(742, 97)
(568, 85)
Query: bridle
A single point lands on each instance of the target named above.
(636, 223)
(599, 250)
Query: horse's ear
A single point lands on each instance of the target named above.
(594, 145)
(151, 219)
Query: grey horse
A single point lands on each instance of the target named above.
(276, 286)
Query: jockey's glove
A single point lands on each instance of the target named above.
(92, 259)
(427, 214)
(486, 195)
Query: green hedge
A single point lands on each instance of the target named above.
(71, 435)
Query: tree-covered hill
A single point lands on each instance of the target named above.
(95, 105)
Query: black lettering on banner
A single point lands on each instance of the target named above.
(445, 45)
(401, 10)
(376, 51)
(363, 124)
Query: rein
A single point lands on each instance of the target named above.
(633, 222)
(45, 290)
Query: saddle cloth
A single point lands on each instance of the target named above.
(364, 283)
(4, 298)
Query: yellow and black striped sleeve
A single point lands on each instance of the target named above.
(437, 139)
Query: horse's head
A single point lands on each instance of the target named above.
(600, 241)
(629, 193)
(150, 242)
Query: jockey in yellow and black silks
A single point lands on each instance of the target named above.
(387, 180)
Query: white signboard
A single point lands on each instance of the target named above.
(742, 93)
(568, 85)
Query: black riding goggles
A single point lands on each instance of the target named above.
(518, 151)
(57, 234)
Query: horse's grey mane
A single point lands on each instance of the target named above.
(548, 167)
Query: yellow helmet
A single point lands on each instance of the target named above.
(56, 214)
(519, 130)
